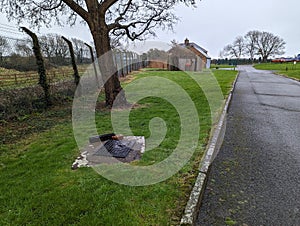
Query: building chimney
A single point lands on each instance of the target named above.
(187, 42)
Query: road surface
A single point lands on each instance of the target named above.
(255, 179)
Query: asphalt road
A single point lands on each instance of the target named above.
(255, 178)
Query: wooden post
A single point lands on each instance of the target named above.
(93, 60)
(74, 65)
(41, 65)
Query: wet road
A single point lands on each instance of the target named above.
(255, 179)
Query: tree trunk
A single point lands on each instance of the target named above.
(265, 59)
(108, 69)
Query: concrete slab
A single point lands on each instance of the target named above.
(90, 155)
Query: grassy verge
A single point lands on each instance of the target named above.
(287, 69)
(39, 188)
(221, 66)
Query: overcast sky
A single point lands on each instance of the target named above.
(216, 23)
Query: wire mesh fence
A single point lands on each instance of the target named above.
(127, 61)
(19, 74)
(18, 64)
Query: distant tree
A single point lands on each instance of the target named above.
(21, 56)
(23, 48)
(4, 46)
(157, 54)
(269, 44)
(48, 45)
(80, 49)
(221, 54)
(236, 49)
(261, 43)
(134, 19)
(54, 48)
(251, 39)
(61, 50)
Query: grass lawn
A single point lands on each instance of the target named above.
(288, 69)
(213, 66)
(38, 186)
(12, 79)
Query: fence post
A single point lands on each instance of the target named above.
(16, 81)
(75, 69)
(134, 61)
(41, 65)
(130, 58)
(129, 62)
(93, 60)
(115, 56)
(121, 56)
(126, 63)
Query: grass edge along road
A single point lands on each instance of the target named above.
(287, 69)
(38, 186)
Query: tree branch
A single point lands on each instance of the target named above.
(77, 8)
(116, 24)
(156, 17)
(47, 8)
(105, 5)
(128, 4)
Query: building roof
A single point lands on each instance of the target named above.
(182, 51)
(196, 46)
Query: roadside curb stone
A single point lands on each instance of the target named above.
(291, 78)
(214, 144)
(193, 203)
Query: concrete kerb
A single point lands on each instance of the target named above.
(285, 76)
(191, 210)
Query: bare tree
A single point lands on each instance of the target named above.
(157, 54)
(221, 54)
(254, 43)
(135, 19)
(269, 44)
(61, 50)
(236, 49)
(251, 39)
(23, 48)
(47, 45)
(3, 46)
(78, 46)
(55, 48)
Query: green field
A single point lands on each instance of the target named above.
(287, 69)
(12, 79)
(38, 186)
(213, 66)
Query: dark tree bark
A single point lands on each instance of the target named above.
(74, 65)
(108, 69)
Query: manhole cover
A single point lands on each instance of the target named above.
(129, 149)
(115, 148)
